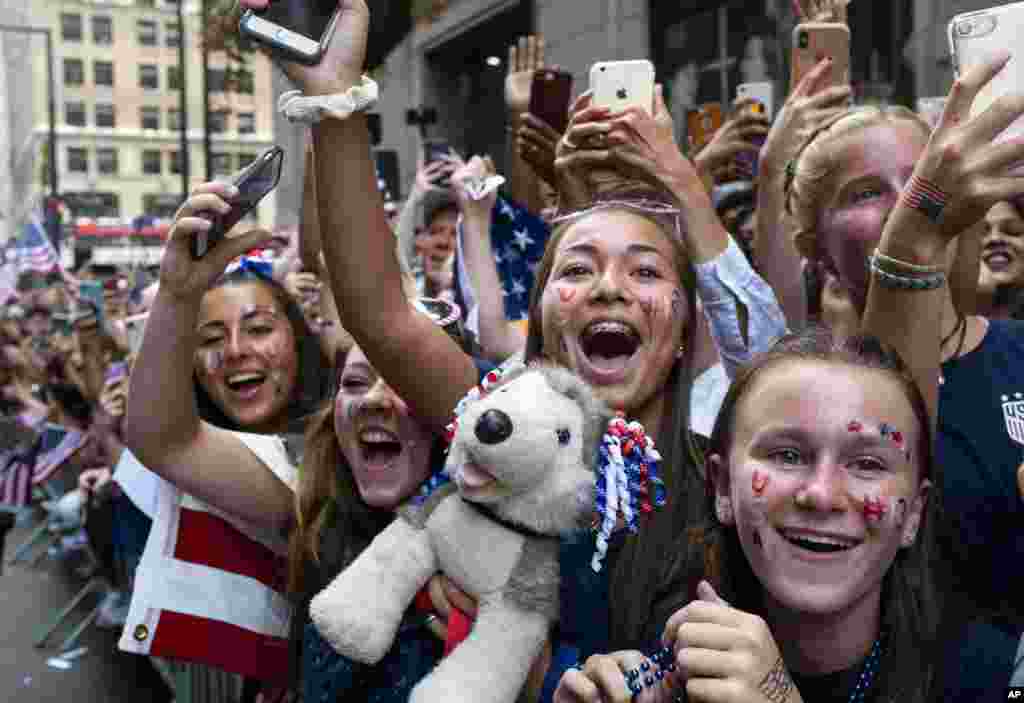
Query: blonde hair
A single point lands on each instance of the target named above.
(810, 177)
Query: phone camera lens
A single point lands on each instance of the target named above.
(965, 28)
(803, 40)
(602, 68)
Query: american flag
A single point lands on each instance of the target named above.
(32, 250)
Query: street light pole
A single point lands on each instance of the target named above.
(51, 99)
(184, 161)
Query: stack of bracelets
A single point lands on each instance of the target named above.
(894, 273)
(930, 200)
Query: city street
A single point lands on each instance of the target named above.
(29, 597)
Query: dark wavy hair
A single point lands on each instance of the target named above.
(914, 588)
(314, 370)
(638, 577)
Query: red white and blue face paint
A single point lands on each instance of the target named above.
(820, 482)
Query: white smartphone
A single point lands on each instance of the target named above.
(298, 29)
(763, 93)
(974, 37)
(618, 85)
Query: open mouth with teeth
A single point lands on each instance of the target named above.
(609, 346)
(246, 384)
(379, 448)
(819, 544)
(998, 259)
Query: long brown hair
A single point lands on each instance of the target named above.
(914, 586)
(637, 580)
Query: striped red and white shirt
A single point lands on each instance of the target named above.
(210, 588)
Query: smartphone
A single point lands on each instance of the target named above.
(763, 93)
(437, 150)
(812, 42)
(974, 37)
(618, 85)
(550, 93)
(115, 372)
(91, 293)
(298, 29)
(253, 182)
(701, 124)
(135, 326)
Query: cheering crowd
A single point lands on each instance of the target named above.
(826, 356)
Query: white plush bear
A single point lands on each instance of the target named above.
(522, 459)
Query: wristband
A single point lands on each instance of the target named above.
(310, 109)
(903, 266)
(925, 197)
(892, 280)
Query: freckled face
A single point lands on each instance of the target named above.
(385, 446)
(247, 357)
(613, 310)
(823, 492)
(876, 163)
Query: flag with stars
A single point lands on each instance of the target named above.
(32, 250)
(518, 238)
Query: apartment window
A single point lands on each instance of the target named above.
(103, 73)
(74, 74)
(146, 3)
(218, 122)
(221, 163)
(245, 158)
(148, 76)
(173, 78)
(151, 162)
(172, 34)
(102, 29)
(244, 81)
(78, 160)
(146, 32)
(105, 115)
(215, 80)
(71, 26)
(106, 161)
(175, 162)
(74, 114)
(150, 117)
(174, 119)
(246, 123)
(162, 205)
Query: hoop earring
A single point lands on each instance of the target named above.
(723, 510)
(680, 351)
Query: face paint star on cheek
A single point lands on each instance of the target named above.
(758, 482)
(875, 509)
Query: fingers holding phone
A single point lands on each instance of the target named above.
(181, 273)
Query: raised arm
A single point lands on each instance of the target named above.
(499, 339)
(162, 425)
(524, 58)
(421, 362)
(778, 259)
(959, 177)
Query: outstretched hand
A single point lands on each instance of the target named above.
(342, 64)
(524, 58)
(185, 277)
(742, 133)
(821, 10)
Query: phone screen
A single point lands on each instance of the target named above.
(307, 17)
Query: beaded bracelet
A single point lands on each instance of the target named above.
(890, 280)
(902, 266)
(651, 672)
(925, 197)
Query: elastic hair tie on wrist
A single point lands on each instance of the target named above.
(925, 197)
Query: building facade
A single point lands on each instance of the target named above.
(118, 109)
(702, 49)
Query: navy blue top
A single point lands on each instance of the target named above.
(980, 445)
